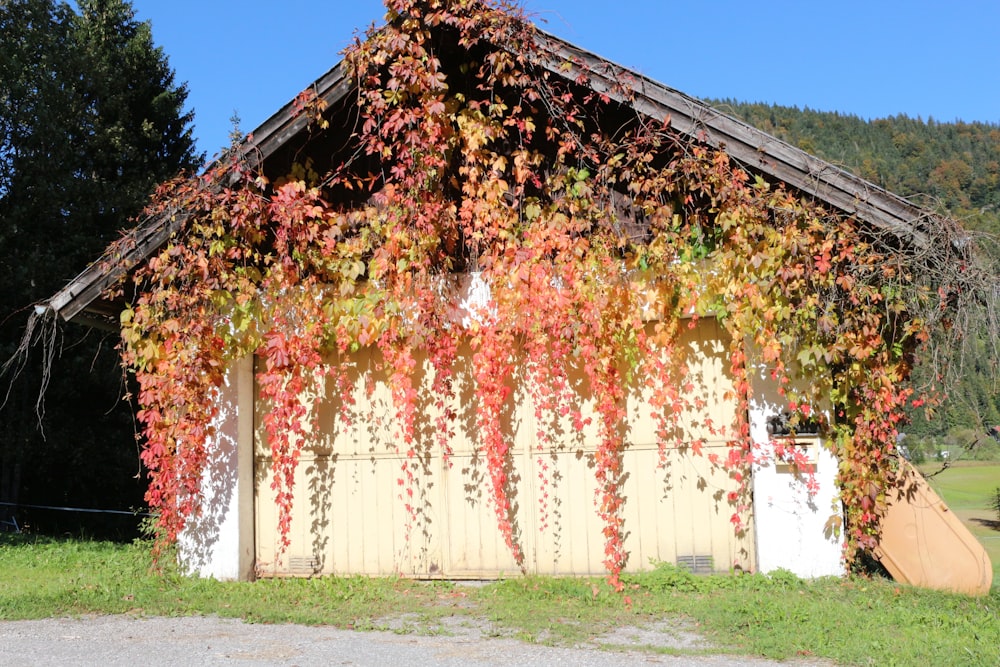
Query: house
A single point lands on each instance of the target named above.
(388, 460)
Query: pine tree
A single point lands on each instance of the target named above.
(90, 121)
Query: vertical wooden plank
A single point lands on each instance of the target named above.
(339, 529)
(246, 408)
(263, 538)
(640, 526)
(666, 514)
(365, 505)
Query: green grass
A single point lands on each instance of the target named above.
(855, 622)
(846, 621)
(965, 485)
(47, 577)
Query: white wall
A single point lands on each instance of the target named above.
(794, 527)
(215, 543)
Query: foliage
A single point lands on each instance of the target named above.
(779, 616)
(953, 168)
(585, 220)
(90, 121)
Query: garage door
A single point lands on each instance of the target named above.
(349, 516)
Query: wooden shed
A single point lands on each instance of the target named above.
(350, 515)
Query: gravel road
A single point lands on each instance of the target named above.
(127, 640)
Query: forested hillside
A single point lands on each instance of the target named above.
(953, 168)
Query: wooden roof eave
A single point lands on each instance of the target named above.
(81, 299)
(88, 287)
(755, 149)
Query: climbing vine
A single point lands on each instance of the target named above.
(600, 236)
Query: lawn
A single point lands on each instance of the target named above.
(967, 487)
(848, 621)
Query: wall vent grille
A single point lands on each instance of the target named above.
(696, 563)
(303, 564)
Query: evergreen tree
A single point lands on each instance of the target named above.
(90, 121)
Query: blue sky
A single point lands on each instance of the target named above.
(873, 59)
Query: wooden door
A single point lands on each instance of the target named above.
(350, 514)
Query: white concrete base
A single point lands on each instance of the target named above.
(218, 543)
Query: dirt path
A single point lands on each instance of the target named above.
(124, 640)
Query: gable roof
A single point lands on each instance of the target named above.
(758, 152)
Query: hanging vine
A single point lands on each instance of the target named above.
(473, 158)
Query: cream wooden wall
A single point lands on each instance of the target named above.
(349, 516)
